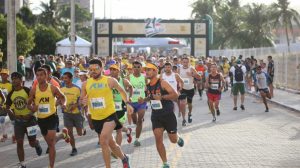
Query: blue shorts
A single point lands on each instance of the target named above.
(136, 106)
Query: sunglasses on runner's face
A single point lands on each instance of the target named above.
(94, 68)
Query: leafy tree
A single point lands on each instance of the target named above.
(283, 15)
(26, 15)
(45, 40)
(49, 15)
(25, 37)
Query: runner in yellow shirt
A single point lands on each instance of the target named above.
(25, 121)
(42, 100)
(97, 97)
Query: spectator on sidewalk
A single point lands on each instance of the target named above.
(28, 67)
(21, 67)
(51, 62)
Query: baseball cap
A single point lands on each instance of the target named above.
(4, 71)
(115, 66)
(151, 66)
(82, 73)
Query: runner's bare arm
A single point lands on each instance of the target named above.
(172, 94)
(206, 83)
(222, 81)
(30, 102)
(128, 87)
(179, 81)
(195, 74)
(83, 95)
(59, 95)
(114, 84)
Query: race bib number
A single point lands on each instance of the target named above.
(5, 92)
(44, 108)
(200, 73)
(32, 131)
(137, 92)
(118, 106)
(214, 86)
(98, 103)
(156, 104)
(186, 81)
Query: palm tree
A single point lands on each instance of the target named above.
(285, 16)
(48, 16)
(256, 30)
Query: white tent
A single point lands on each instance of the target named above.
(82, 47)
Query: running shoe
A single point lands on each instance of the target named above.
(74, 152)
(84, 132)
(180, 142)
(190, 118)
(218, 112)
(234, 108)
(242, 107)
(183, 122)
(129, 137)
(214, 119)
(166, 165)
(21, 165)
(38, 149)
(66, 135)
(136, 143)
(126, 163)
(267, 110)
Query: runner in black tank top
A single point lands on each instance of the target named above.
(160, 94)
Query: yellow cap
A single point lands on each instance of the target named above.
(129, 66)
(114, 66)
(151, 66)
(4, 71)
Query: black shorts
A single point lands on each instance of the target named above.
(266, 90)
(167, 121)
(20, 128)
(98, 124)
(189, 94)
(49, 123)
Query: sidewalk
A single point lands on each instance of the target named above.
(284, 98)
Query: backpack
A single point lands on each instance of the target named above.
(238, 74)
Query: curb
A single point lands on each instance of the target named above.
(276, 102)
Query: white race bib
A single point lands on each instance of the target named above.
(214, 86)
(44, 108)
(5, 92)
(156, 104)
(186, 81)
(137, 92)
(31, 131)
(118, 106)
(200, 73)
(98, 103)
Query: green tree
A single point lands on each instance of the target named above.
(26, 15)
(49, 15)
(283, 15)
(256, 28)
(25, 37)
(45, 40)
(82, 20)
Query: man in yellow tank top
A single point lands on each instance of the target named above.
(72, 115)
(97, 97)
(42, 100)
(25, 121)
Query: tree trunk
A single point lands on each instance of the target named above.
(287, 37)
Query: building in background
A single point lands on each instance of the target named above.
(3, 5)
(86, 4)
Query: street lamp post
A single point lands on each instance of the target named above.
(73, 35)
(11, 36)
(93, 27)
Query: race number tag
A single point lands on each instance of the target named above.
(32, 131)
(118, 106)
(5, 92)
(137, 92)
(44, 108)
(186, 81)
(214, 86)
(200, 73)
(98, 103)
(156, 104)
